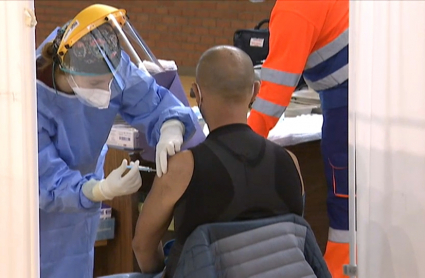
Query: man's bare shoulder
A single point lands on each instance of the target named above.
(179, 174)
(180, 164)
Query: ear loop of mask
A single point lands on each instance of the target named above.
(54, 64)
(53, 76)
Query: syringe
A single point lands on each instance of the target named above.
(143, 168)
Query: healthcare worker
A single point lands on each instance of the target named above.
(92, 71)
(310, 38)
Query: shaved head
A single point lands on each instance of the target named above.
(227, 72)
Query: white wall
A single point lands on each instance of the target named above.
(387, 100)
(19, 253)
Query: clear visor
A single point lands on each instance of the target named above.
(109, 52)
(138, 50)
(101, 82)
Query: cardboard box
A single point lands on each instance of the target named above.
(106, 229)
(124, 136)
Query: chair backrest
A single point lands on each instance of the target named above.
(282, 246)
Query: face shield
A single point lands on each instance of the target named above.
(100, 59)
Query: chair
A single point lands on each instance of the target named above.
(282, 246)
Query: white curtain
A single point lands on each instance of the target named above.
(387, 124)
(19, 253)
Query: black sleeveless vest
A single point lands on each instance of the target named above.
(238, 175)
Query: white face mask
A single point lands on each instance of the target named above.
(93, 97)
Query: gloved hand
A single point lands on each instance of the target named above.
(115, 184)
(170, 142)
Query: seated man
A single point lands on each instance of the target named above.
(233, 175)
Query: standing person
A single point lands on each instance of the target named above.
(310, 38)
(89, 73)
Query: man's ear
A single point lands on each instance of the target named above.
(195, 91)
(256, 90)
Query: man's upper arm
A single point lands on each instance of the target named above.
(297, 165)
(157, 210)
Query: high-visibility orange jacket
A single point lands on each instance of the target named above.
(309, 38)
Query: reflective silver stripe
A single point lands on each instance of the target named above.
(280, 77)
(329, 81)
(328, 50)
(268, 108)
(338, 236)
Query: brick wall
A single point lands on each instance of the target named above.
(177, 30)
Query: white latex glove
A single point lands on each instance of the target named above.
(170, 142)
(115, 184)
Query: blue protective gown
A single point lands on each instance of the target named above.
(71, 150)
